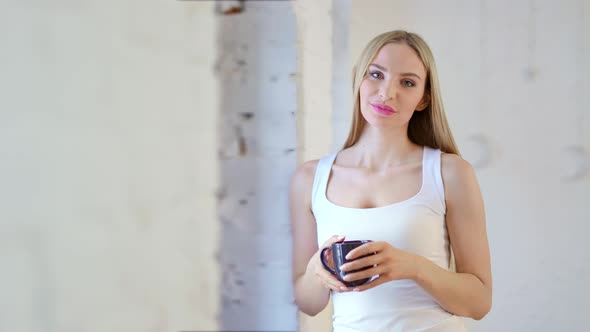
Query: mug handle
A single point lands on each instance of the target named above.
(326, 266)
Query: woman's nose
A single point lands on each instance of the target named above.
(387, 90)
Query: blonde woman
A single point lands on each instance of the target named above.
(399, 181)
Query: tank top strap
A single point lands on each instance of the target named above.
(432, 178)
(435, 187)
(320, 181)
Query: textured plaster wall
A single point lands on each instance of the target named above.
(109, 167)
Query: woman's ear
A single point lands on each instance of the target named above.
(424, 102)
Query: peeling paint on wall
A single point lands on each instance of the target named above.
(257, 59)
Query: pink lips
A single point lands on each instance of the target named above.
(383, 109)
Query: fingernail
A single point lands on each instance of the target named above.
(342, 288)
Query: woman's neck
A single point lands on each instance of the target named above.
(379, 149)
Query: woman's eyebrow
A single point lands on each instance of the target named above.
(411, 74)
(402, 74)
(379, 67)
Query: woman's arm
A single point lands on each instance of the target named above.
(311, 282)
(468, 292)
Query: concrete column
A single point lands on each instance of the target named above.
(256, 68)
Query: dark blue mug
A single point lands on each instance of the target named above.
(339, 252)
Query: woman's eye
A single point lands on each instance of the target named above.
(408, 83)
(376, 74)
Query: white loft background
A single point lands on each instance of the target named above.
(146, 149)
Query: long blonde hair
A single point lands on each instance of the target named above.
(428, 127)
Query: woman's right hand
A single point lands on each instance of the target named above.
(316, 267)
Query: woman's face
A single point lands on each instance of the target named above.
(393, 87)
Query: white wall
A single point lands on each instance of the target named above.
(341, 72)
(109, 168)
(109, 138)
(515, 74)
(315, 59)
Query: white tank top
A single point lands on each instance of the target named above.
(415, 225)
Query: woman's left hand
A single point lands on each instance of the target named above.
(386, 261)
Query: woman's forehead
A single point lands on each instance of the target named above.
(399, 57)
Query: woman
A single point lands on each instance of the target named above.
(400, 182)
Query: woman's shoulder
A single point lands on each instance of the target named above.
(302, 179)
(305, 173)
(454, 163)
(456, 171)
(306, 169)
